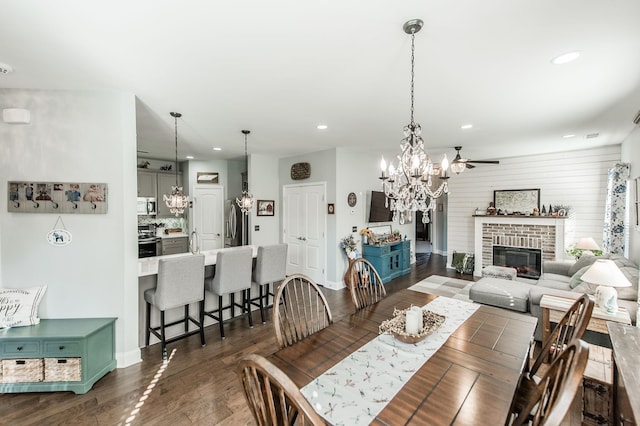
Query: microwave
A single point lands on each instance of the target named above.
(146, 206)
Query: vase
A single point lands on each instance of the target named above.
(365, 239)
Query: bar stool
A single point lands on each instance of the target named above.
(271, 267)
(179, 283)
(233, 274)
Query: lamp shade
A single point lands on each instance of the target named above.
(605, 272)
(587, 243)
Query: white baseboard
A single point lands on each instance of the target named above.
(334, 285)
(128, 358)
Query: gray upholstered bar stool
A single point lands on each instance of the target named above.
(179, 283)
(232, 275)
(271, 267)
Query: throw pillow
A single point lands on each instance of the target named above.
(19, 306)
(576, 279)
(585, 260)
(458, 261)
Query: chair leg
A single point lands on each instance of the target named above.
(148, 328)
(162, 337)
(201, 319)
(186, 318)
(220, 316)
(261, 298)
(247, 303)
(232, 300)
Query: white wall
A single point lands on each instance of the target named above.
(75, 137)
(631, 154)
(577, 179)
(263, 184)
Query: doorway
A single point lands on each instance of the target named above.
(423, 235)
(304, 230)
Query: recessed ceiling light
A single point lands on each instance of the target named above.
(217, 148)
(466, 126)
(565, 58)
(321, 127)
(593, 135)
(189, 157)
(5, 68)
(569, 136)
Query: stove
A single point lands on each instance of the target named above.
(148, 244)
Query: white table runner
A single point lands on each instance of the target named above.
(356, 389)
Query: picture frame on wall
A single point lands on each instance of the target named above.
(331, 208)
(266, 207)
(512, 201)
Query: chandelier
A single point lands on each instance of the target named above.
(246, 201)
(177, 201)
(409, 185)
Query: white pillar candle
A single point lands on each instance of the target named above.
(413, 320)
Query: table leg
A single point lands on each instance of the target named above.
(546, 330)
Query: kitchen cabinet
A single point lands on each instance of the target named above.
(147, 184)
(57, 355)
(175, 245)
(165, 182)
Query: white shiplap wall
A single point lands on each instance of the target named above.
(576, 178)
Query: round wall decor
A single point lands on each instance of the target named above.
(352, 199)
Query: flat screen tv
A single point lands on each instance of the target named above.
(377, 211)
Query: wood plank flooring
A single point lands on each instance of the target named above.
(199, 386)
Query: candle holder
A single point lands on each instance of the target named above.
(396, 326)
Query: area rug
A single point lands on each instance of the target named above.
(444, 286)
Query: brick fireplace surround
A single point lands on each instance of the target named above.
(539, 232)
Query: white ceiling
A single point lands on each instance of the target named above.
(281, 67)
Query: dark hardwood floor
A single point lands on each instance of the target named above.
(199, 386)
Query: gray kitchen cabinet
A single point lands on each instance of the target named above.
(175, 245)
(147, 184)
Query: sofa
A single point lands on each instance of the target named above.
(559, 278)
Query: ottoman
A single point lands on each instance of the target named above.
(499, 272)
(501, 293)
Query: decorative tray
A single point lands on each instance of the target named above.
(396, 325)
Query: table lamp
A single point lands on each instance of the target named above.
(586, 245)
(607, 275)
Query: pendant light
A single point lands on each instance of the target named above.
(177, 201)
(246, 201)
(408, 184)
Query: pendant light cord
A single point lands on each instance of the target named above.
(413, 37)
(176, 130)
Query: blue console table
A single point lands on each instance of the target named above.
(390, 260)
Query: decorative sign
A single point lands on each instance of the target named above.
(352, 199)
(207, 177)
(57, 197)
(300, 171)
(59, 237)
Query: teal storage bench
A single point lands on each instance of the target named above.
(57, 355)
(390, 260)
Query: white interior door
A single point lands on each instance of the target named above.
(305, 230)
(208, 203)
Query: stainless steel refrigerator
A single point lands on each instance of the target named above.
(233, 229)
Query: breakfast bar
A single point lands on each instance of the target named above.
(147, 276)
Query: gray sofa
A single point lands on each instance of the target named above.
(560, 278)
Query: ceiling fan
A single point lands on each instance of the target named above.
(459, 164)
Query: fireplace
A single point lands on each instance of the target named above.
(526, 261)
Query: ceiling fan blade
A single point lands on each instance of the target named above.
(484, 161)
(469, 166)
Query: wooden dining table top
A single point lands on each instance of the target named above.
(470, 380)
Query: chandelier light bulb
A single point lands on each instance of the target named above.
(445, 163)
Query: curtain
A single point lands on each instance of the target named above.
(613, 239)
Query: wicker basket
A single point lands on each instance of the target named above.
(62, 369)
(22, 370)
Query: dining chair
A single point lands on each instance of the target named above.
(232, 275)
(548, 401)
(364, 283)
(299, 310)
(272, 396)
(270, 268)
(179, 283)
(571, 326)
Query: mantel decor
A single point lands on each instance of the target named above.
(514, 201)
(57, 197)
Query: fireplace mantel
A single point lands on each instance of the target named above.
(551, 249)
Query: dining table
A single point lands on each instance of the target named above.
(469, 379)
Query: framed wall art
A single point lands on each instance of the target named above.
(516, 200)
(207, 177)
(57, 197)
(266, 207)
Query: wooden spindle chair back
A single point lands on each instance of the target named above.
(365, 284)
(299, 310)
